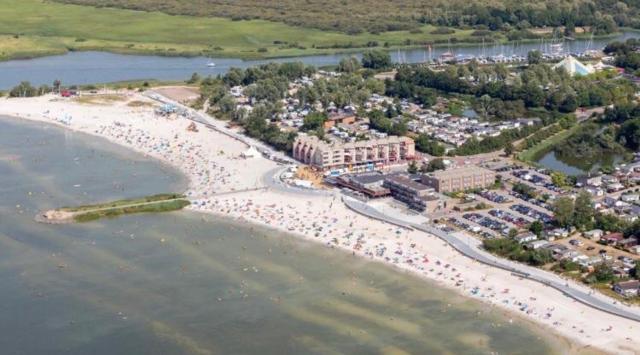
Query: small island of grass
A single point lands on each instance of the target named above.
(86, 213)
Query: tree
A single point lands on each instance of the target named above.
(509, 149)
(234, 77)
(428, 145)
(226, 104)
(635, 272)
(563, 209)
(601, 273)
(257, 122)
(559, 179)
(376, 59)
(633, 229)
(435, 164)
(485, 105)
(313, 121)
(583, 211)
(412, 168)
(536, 227)
(534, 57)
(610, 223)
(291, 70)
(525, 190)
(24, 89)
(630, 131)
(570, 104)
(349, 65)
(569, 28)
(195, 77)
(513, 233)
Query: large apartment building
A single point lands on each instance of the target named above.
(459, 179)
(356, 156)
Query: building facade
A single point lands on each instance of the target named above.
(355, 156)
(460, 179)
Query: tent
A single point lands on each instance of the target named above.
(574, 67)
(252, 152)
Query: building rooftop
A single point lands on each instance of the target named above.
(467, 170)
(404, 180)
(367, 178)
(629, 285)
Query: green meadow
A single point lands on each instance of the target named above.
(30, 28)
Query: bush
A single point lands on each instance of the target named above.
(442, 31)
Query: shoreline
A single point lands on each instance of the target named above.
(232, 208)
(542, 331)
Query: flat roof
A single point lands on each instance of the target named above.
(467, 170)
(367, 178)
(404, 180)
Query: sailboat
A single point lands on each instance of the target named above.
(447, 56)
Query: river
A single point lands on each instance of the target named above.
(185, 283)
(102, 67)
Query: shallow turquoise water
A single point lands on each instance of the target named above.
(186, 283)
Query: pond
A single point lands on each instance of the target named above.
(551, 161)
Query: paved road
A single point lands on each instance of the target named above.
(457, 241)
(273, 181)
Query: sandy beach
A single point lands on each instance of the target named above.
(213, 164)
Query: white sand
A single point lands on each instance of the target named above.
(211, 162)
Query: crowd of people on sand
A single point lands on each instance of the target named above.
(322, 218)
(205, 174)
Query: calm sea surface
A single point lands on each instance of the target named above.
(181, 283)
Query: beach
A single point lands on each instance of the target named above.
(218, 176)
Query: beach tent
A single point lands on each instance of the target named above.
(252, 152)
(574, 67)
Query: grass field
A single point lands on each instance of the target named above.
(31, 28)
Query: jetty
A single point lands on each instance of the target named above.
(86, 213)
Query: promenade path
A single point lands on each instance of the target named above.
(463, 244)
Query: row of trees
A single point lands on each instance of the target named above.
(512, 249)
(26, 89)
(431, 166)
